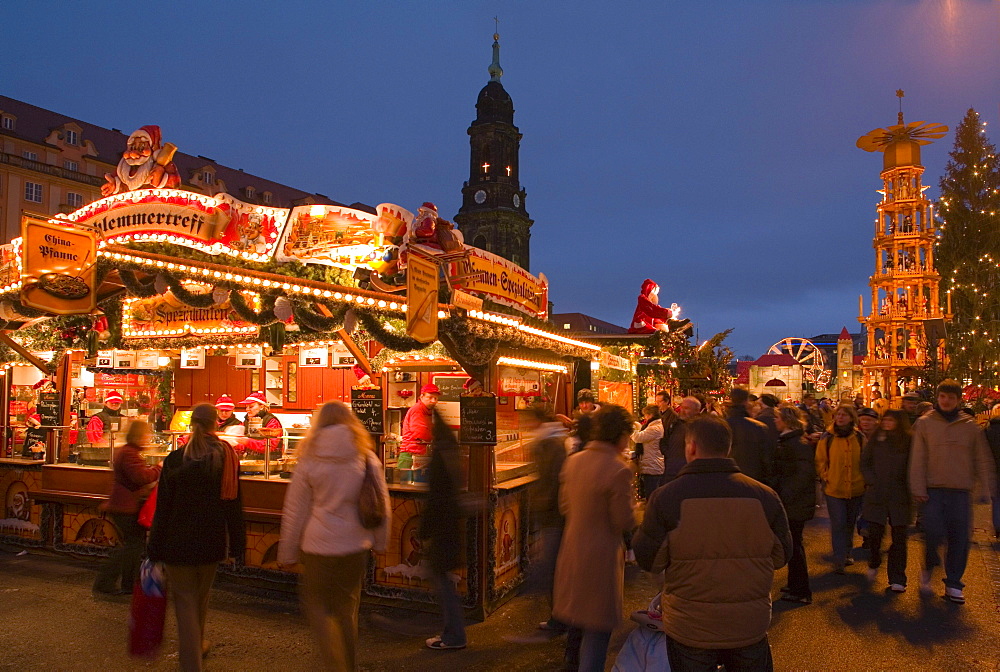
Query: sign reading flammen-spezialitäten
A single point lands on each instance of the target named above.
(57, 271)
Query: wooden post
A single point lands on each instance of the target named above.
(64, 377)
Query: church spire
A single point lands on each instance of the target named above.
(496, 72)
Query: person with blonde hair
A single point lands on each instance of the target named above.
(198, 510)
(321, 528)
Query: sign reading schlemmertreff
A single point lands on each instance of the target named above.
(57, 269)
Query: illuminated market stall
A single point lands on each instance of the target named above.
(157, 299)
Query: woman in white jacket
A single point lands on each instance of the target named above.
(321, 528)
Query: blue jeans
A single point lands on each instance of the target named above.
(843, 515)
(753, 658)
(550, 539)
(453, 633)
(586, 650)
(947, 515)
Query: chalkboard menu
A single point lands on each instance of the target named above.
(48, 408)
(367, 405)
(478, 419)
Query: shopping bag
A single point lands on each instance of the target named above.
(148, 508)
(148, 611)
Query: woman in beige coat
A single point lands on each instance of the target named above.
(595, 496)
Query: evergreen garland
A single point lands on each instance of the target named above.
(186, 297)
(387, 338)
(246, 313)
(309, 319)
(134, 286)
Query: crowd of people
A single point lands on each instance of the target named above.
(724, 495)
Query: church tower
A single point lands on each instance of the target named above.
(905, 325)
(493, 215)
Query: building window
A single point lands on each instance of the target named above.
(8, 123)
(74, 200)
(30, 156)
(249, 191)
(207, 178)
(72, 165)
(33, 192)
(566, 326)
(266, 198)
(72, 138)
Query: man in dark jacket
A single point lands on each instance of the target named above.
(993, 438)
(753, 449)
(768, 404)
(672, 443)
(718, 536)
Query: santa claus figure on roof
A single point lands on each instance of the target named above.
(649, 315)
(146, 162)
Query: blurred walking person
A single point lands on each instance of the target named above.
(548, 446)
(197, 524)
(885, 463)
(949, 456)
(795, 483)
(440, 525)
(321, 528)
(838, 462)
(752, 448)
(596, 497)
(128, 492)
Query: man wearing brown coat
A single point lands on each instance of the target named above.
(718, 536)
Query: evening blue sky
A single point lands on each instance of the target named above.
(708, 145)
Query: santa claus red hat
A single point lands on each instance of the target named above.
(151, 133)
(255, 398)
(648, 286)
(225, 403)
(430, 388)
(430, 206)
(113, 396)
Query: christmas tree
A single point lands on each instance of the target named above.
(968, 253)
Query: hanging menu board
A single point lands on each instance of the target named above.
(367, 405)
(49, 409)
(478, 420)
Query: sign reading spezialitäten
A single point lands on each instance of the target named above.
(57, 268)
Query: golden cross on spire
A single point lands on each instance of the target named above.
(496, 34)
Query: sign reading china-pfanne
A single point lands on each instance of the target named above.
(57, 268)
(483, 272)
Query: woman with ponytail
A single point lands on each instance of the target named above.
(198, 523)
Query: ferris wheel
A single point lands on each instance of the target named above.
(808, 355)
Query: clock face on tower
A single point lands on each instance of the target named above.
(517, 201)
(480, 197)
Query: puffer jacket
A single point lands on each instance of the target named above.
(795, 475)
(885, 464)
(320, 515)
(718, 536)
(949, 455)
(838, 463)
(651, 461)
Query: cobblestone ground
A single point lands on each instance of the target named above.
(50, 621)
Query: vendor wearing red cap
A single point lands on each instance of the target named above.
(417, 429)
(108, 419)
(258, 408)
(225, 406)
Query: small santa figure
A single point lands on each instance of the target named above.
(649, 315)
(146, 162)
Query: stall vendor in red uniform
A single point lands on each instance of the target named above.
(416, 429)
(109, 418)
(225, 406)
(258, 408)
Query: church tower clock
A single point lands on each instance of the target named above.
(493, 215)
